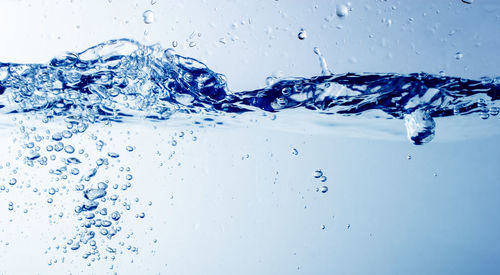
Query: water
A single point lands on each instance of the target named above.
(122, 78)
(131, 157)
(122, 81)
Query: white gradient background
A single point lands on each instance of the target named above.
(234, 216)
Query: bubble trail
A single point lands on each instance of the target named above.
(122, 78)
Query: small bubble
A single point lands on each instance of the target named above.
(12, 181)
(324, 189)
(113, 155)
(317, 174)
(148, 16)
(494, 111)
(302, 34)
(192, 44)
(484, 115)
(129, 148)
(459, 55)
(175, 43)
(69, 149)
(342, 10)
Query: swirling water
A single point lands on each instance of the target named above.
(121, 80)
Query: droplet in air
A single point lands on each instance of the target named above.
(468, 1)
(459, 55)
(323, 178)
(302, 34)
(322, 62)
(409, 157)
(174, 44)
(323, 227)
(148, 16)
(342, 10)
(12, 181)
(347, 226)
(295, 152)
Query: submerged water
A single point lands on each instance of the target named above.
(122, 82)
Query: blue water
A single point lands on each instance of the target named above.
(121, 80)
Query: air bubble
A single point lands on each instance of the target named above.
(12, 181)
(69, 149)
(324, 189)
(148, 16)
(302, 34)
(317, 174)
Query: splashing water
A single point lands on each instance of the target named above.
(121, 79)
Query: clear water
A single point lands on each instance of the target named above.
(130, 157)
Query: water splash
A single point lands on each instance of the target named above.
(122, 78)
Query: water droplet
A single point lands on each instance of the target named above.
(324, 189)
(459, 55)
(175, 43)
(348, 226)
(323, 227)
(130, 148)
(323, 178)
(409, 157)
(295, 152)
(148, 16)
(153, 2)
(342, 10)
(317, 174)
(468, 1)
(302, 34)
(322, 62)
(192, 44)
(12, 181)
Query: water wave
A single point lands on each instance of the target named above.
(123, 78)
